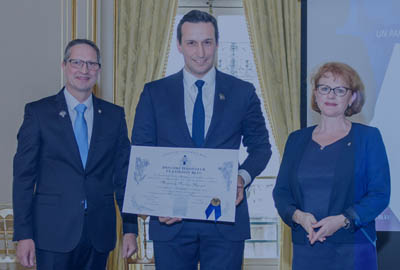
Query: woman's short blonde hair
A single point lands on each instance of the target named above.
(350, 76)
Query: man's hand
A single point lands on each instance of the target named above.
(129, 245)
(26, 252)
(169, 220)
(327, 226)
(240, 190)
(306, 220)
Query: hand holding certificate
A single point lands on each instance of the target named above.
(194, 183)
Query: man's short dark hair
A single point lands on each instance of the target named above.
(72, 43)
(197, 16)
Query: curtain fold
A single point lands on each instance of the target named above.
(274, 30)
(144, 32)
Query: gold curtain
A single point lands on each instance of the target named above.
(274, 29)
(144, 35)
(144, 29)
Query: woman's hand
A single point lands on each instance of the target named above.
(306, 220)
(327, 226)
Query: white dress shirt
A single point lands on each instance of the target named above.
(72, 102)
(190, 94)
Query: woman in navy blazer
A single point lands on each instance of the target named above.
(334, 179)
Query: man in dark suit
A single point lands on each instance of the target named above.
(202, 107)
(72, 158)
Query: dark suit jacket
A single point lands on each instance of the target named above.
(361, 189)
(50, 182)
(160, 121)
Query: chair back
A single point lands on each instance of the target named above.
(144, 256)
(7, 247)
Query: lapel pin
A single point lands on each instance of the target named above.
(221, 96)
(348, 144)
(62, 114)
(99, 111)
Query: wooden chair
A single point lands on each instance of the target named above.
(7, 247)
(142, 257)
(8, 258)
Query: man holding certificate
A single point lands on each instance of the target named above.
(201, 107)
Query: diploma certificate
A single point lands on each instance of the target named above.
(194, 183)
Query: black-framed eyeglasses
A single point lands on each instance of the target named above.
(77, 63)
(339, 91)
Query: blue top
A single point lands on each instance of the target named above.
(316, 176)
(361, 185)
(316, 180)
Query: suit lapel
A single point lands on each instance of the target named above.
(97, 111)
(301, 146)
(66, 124)
(221, 93)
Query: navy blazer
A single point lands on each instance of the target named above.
(160, 121)
(50, 182)
(361, 189)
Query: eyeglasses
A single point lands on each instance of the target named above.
(77, 63)
(339, 91)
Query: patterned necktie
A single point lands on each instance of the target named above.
(198, 116)
(81, 132)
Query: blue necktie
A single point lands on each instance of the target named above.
(198, 116)
(81, 132)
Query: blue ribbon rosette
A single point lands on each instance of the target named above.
(215, 205)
